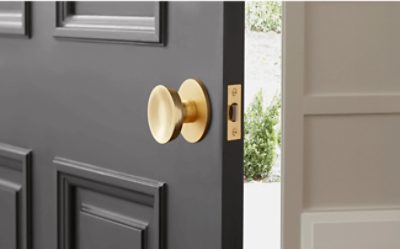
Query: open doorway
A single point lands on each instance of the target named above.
(262, 145)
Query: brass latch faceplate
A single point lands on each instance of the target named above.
(234, 112)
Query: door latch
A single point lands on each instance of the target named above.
(234, 112)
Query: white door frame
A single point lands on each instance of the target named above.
(293, 117)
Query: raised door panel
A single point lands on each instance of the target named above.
(351, 229)
(100, 208)
(15, 18)
(103, 232)
(8, 215)
(350, 48)
(139, 22)
(15, 197)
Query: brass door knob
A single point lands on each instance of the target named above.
(187, 111)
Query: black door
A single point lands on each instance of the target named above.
(79, 167)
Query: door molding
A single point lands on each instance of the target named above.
(138, 29)
(14, 23)
(293, 121)
(348, 229)
(15, 191)
(79, 184)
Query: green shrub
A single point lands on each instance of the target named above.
(264, 16)
(280, 137)
(261, 137)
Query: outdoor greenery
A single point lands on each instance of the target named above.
(261, 137)
(264, 16)
(280, 138)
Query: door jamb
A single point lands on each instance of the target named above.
(293, 78)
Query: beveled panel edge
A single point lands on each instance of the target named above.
(73, 174)
(107, 176)
(21, 160)
(351, 104)
(15, 155)
(15, 191)
(111, 29)
(309, 220)
(107, 217)
(113, 217)
(16, 23)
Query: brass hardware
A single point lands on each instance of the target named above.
(187, 111)
(234, 112)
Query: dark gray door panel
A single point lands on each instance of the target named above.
(99, 179)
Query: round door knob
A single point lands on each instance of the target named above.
(171, 112)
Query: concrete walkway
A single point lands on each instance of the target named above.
(262, 214)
